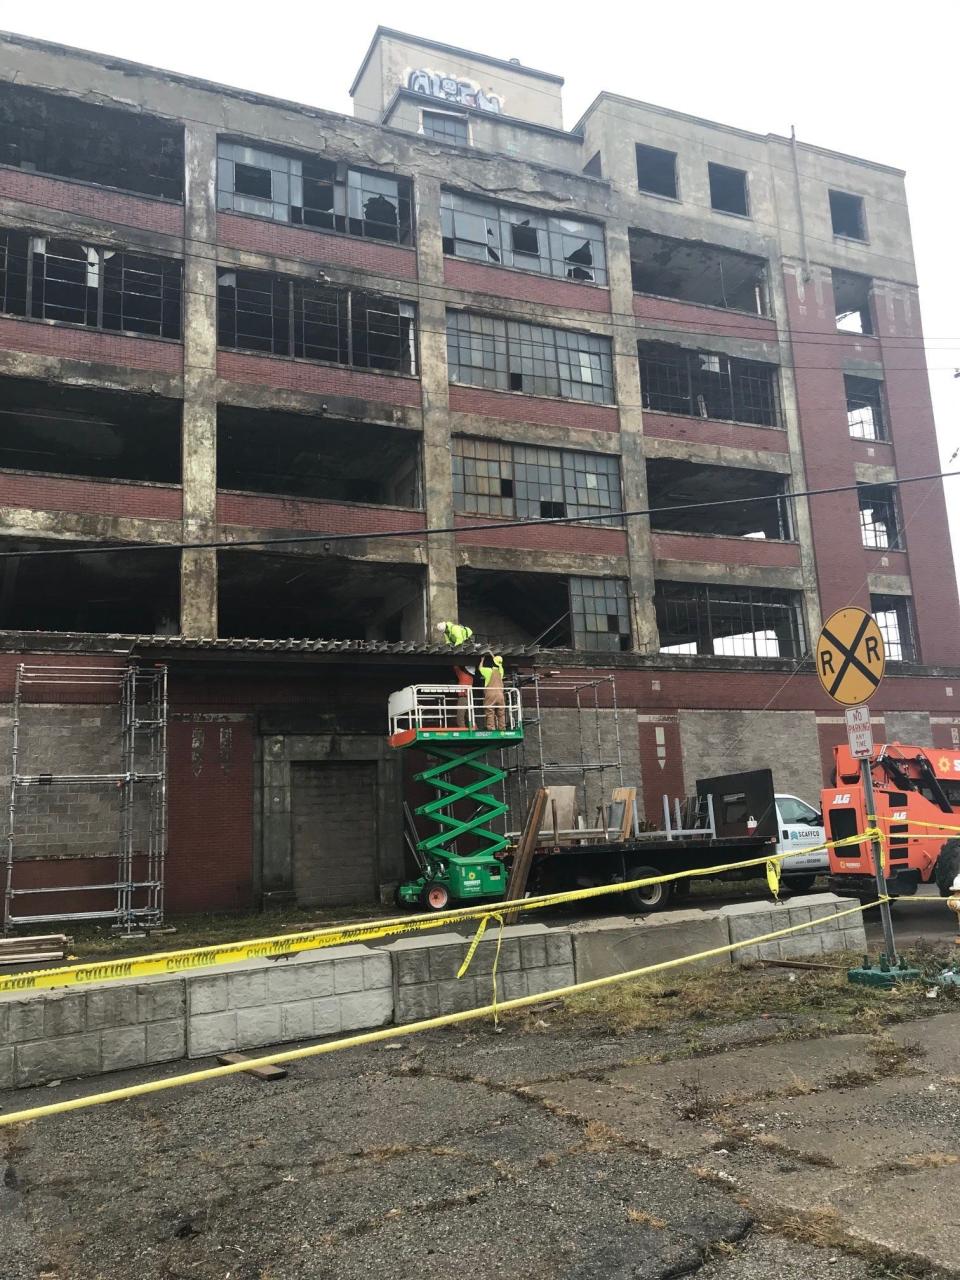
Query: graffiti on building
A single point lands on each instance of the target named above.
(463, 92)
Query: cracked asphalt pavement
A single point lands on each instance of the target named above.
(538, 1151)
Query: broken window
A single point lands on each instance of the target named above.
(130, 592)
(894, 617)
(695, 272)
(445, 126)
(79, 431)
(754, 503)
(879, 522)
(100, 288)
(728, 189)
(507, 355)
(851, 300)
(492, 478)
(296, 455)
(864, 407)
(567, 248)
(657, 171)
(284, 317)
(601, 619)
(67, 137)
(734, 622)
(704, 384)
(847, 215)
(312, 192)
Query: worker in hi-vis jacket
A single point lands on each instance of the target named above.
(456, 634)
(494, 702)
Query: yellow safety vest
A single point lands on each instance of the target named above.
(486, 671)
(455, 633)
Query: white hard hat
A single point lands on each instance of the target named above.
(441, 626)
(956, 885)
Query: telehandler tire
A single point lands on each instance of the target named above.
(948, 867)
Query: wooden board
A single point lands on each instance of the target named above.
(522, 859)
(261, 1073)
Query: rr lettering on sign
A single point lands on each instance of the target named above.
(448, 89)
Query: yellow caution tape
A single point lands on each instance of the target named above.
(407, 1029)
(169, 963)
(773, 877)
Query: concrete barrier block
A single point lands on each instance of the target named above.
(854, 937)
(363, 1009)
(348, 975)
(509, 954)
(60, 1059)
(160, 999)
(208, 995)
(800, 946)
(377, 970)
(211, 1033)
(559, 947)
(290, 981)
(446, 959)
(64, 1015)
(112, 1007)
(246, 989)
(533, 953)
(326, 1016)
(166, 1041)
(414, 1003)
(618, 945)
(4, 1020)
(824, 922)
(25, 1020)
(512, 984)
(122, 1047)
(6, 1068)
(296, 1020)
(458, 994)
(258, 1025)
(556, 976)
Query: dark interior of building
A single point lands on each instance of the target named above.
(752, 503)
(316, 457)
(695, 272)
(516, 608)
(80, 431)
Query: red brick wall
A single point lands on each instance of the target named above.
(511, 406)
(90, 497)
(299, 513)
(280, 240)
(211, 788)
(525, 286)
(589, 539)
(71, 343)
(667, 426)
(753, 551)
(896, 561)
(706, 320)
(91, 201)
(320, 379)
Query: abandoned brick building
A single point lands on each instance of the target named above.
(226, 317)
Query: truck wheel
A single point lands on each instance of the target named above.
(652, 897)
(948, 867)
(799, 884)
(435, 896)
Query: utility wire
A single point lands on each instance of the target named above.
(384, 534)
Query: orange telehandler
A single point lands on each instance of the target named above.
(917, 791)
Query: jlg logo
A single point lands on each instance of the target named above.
(899, 816)
(842, 799)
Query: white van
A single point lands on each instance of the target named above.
(799, 826)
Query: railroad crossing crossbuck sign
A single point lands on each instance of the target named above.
(850, 656)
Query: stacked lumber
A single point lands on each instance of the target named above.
(45, 946)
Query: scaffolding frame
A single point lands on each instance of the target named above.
(141, 780)
(586, 696)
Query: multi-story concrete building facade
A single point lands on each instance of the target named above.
(227, 319)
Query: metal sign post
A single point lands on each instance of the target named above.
(890, 946)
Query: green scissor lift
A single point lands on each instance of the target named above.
(458, 862)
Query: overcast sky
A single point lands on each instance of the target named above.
(877, 80)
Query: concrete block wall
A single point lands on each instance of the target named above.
(84, 1032)
(751, 919)
(621, 943)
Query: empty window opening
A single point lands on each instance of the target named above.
(894, 615)
(757, 506)
(130, 592)
(69, 138)
(445, 126)
(879, 519)
(594, 166)
(704, 384)
(568, 248)
(864, 407)
(695, 272)
(728, 189)
(657, 171)
(847, 215)
(497, 479)
(507, 355)
(311, 192)
(78, 431)
(548, 610)
(696, 618)
(296, 455)
(312, 596)
(284, 317)
(852, 302)
(75, 283)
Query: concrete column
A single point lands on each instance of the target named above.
(626, 370)
(198, 574)
(441, 599)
